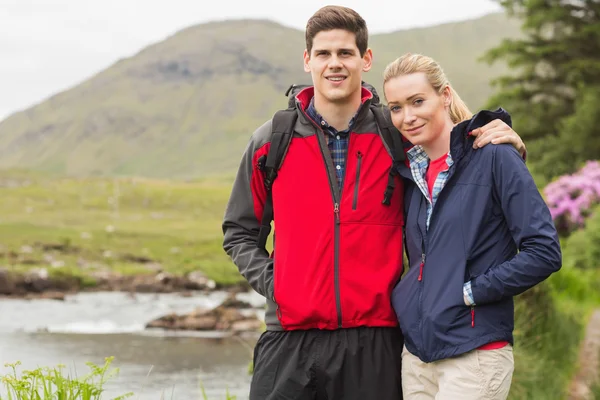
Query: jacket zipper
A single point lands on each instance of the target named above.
(336, 264)
(420, 278)
(359, 157)
(421, 266)
(336, 196)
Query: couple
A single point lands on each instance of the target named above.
(340, 322)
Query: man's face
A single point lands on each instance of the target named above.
(336, 66)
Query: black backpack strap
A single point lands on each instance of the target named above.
(393, 141)
(282, 131)
(390, 135)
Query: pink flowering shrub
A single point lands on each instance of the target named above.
(571, 198)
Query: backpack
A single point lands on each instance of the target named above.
(281, 136)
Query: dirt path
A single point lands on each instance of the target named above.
(589, 362)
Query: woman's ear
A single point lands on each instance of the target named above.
(447, 95)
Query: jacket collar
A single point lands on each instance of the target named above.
(461, 137)
(304, 97)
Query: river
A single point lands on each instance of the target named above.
(154, 364)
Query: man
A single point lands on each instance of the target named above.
(331, 330)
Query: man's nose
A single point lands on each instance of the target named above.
(335, 62)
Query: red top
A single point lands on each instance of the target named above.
(434, 169)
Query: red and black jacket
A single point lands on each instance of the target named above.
(338, 252)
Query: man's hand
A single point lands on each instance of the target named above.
(497, 132)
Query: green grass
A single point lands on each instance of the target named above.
(551, 319)
(546, 346)
(596, 392)
(205, 397)
(78, 226)
(47, 383)
(550, 323)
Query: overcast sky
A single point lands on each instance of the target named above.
(50, 45)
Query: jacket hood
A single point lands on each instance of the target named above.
(461, 133)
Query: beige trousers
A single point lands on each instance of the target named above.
(478, 374)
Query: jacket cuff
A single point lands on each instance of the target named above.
(468, 294)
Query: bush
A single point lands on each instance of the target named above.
(51, 383)
(547, 337)
(581, 249)
(572, 197)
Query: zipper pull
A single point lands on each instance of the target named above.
(472, 316)
(421, 267)
(359, 155)
(336, 211)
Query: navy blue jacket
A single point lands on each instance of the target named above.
(489, 226)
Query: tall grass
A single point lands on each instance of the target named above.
(45, 383)
(546, 346)
(550, 323)
(205, 397)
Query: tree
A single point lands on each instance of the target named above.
(554, 88)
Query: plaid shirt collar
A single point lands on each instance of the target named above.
(418, 156)
(330, 130)
(337, 141)
(419, 162)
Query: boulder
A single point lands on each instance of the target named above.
(221, 318)
(7, 283)
(196, 280)
(233, 302)
(37, 280)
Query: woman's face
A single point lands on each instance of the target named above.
(418, 111)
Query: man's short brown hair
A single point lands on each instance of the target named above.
(338, 17)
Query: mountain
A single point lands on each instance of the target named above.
(185, 107)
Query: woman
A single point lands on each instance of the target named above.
(478, 233)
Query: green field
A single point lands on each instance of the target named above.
(81, 226)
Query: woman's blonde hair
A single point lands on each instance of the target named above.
(413, 63)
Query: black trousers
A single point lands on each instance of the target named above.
(349, 364)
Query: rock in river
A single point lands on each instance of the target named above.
(225, 317)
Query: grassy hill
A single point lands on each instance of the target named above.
(186, 106)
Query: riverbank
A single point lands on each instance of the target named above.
(231, 315)
(41, 283)
(88, 327)
(129, 234)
